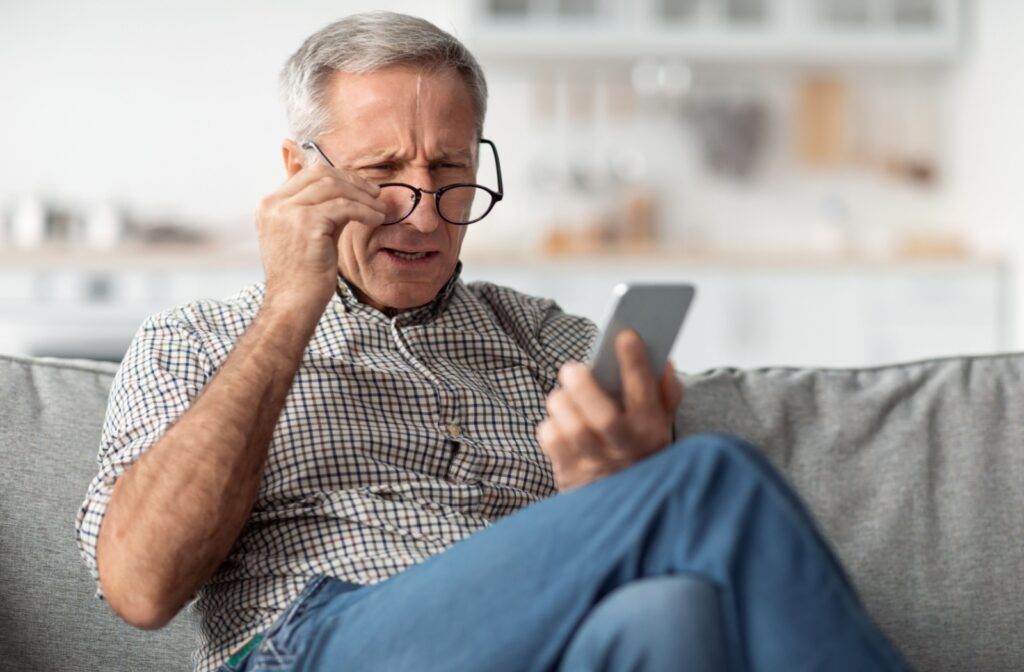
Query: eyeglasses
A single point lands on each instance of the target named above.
(459, 203)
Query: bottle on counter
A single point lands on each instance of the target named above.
(28, 222)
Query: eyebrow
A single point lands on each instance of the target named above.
(392, 155)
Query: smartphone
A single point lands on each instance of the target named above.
(656, 312)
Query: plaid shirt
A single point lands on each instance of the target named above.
(400, 436)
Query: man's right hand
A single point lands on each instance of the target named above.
(176, 512)
(299, 225)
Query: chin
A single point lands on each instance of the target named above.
(399, 301)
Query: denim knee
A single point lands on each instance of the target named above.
(716, 451)
(664, 623)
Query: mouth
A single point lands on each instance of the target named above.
(409, 256)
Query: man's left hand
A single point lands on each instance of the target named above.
(588, 435)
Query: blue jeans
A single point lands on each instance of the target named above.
(562, 585)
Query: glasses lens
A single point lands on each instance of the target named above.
(465, 205)
(399, 202)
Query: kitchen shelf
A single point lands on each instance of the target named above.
(751, 310)
(788, 31)
(215, 258)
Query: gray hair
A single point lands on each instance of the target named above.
(364, 43)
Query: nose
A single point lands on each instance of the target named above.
(424, 218)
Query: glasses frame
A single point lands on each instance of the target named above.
(496, 196)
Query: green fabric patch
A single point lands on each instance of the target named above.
(237, 658)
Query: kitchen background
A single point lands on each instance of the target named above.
(841, 178)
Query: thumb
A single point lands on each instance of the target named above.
(670, 389)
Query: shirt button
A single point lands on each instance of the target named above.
(453, 429)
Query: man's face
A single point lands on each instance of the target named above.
(401, 125)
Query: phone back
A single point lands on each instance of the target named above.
(656, 312)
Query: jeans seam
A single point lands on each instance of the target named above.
(295, 610)
(271, 658)
(302, 601)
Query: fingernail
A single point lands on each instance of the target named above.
(573, 367)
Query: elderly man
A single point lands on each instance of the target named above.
(327, 462)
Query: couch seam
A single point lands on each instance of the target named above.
(86, 365)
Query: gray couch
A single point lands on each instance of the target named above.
(915, 472)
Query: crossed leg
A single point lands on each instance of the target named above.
(524, 593)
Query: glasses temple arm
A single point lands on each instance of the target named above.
(309, 144)
(497, 165)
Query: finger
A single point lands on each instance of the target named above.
(365, 185)
(553, 443)
(639, 390)
(320, 171)
(566, 462)
(351, 176)
(671, 389)
(570, 424)
(341, 211)
(600, 412)
(546, 432)
(319, 161)
(302, 178)
(329, 187)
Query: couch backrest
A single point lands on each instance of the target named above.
(50, 417)
(915, 472)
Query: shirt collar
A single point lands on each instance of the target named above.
(346, 293)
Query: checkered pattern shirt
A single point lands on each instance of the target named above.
(400, 436)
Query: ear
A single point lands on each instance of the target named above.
(293, 157)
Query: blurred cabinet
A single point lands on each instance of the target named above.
(745, 315)
(802, 30)
(54, 307)
(842, 315)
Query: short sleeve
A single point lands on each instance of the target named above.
(164, 370)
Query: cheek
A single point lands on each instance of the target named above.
(455, 235)
(354, 241)
(353, 256)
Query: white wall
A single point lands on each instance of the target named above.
(987, 144)
(115, 98)
(173, 107)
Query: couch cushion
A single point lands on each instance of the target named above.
(915, 473)
(50, 417)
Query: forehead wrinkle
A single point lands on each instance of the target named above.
(419, 84)
(417, 107)
(395, 153)
(407, 127)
